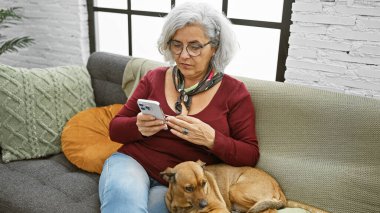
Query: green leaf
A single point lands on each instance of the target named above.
(9, 13)
(9, 17)
(14, 44)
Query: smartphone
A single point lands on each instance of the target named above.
(151, 107)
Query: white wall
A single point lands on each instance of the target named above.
(60, 30)
(335, 45)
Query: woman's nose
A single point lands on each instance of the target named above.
(184, 53)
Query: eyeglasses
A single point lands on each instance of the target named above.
(192, 48)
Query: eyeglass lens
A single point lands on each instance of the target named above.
(192, 48)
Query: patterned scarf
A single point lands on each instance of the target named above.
(185, 94)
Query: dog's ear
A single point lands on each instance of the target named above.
(168, 175)
(201, 163)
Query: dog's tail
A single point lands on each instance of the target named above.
(296, 204)
(266, 204)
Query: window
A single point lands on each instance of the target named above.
(132, 27)
(107, 33)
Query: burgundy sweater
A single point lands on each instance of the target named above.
(230, 113)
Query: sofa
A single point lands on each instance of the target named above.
(323, 148)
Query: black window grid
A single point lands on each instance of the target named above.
(284, 27)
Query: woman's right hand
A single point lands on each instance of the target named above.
(148, 125)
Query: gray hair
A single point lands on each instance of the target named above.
(216, 27)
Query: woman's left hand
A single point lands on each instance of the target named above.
(192, 130)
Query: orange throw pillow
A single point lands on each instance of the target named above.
(85, 138)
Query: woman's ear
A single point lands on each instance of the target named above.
(214, 50)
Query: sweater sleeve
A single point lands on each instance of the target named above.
(241, 147)
(123, 128)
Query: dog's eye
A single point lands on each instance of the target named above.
(189, 188)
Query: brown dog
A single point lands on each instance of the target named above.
(221, 188)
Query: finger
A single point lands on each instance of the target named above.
(173, 125)
(148, 131)
(151, 123)
(178, 129)
(179, 126)
(179, 134)
(152, 129)
(178, 122)
(188, 119)
(145, 117)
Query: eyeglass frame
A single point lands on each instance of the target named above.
(185, 47)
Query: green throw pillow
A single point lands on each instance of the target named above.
(35, 105)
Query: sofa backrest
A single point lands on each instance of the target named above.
(323, 147)
(106, 71)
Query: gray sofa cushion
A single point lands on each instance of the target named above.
(106, 72)
(47, 185)
(53, 184)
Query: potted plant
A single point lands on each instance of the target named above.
(9, 17)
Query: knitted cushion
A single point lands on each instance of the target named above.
(85, 138)
(35, 105)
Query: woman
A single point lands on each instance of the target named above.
(210, 115)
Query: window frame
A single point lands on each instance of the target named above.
(284, 27)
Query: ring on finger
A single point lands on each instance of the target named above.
(185, 131)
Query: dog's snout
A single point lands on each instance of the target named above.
(203, 203)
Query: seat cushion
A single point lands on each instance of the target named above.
(47, 185)
(85, 138)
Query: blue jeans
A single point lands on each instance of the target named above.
(124, 186)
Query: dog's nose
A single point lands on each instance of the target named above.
(203, 203)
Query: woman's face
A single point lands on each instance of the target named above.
(194, 38)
